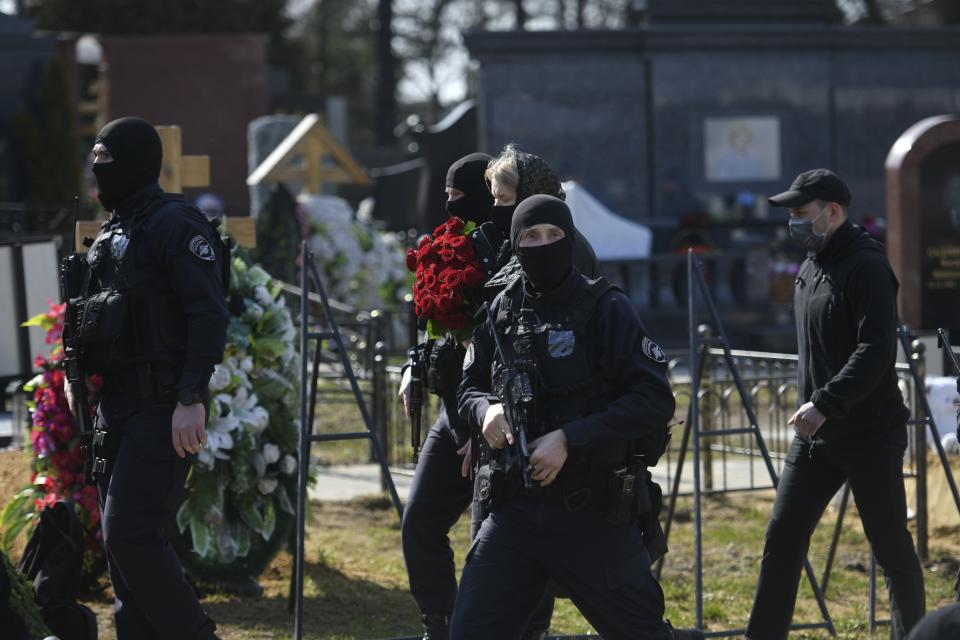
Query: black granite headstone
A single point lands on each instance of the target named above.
(923, 222)
(939, 219)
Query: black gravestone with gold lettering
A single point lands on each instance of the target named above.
(923, 216)
(940, 237)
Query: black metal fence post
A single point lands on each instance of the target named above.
(917, 357)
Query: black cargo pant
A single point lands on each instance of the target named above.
(529, 542)
(438, 497)
(874, 469)
(138, 496)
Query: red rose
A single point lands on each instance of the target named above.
(448, 301)
(455, 225)
(424, 253)
(424, 241)
(452, 278)
(472, 276)
(447, 254)
(411, 260)
(456, 242)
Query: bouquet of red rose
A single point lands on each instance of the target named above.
(447, 271)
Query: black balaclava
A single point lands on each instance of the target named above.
(501, 215)
(137, 157)
(547, 265)
(466, 174)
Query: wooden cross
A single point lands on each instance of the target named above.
(178, 171)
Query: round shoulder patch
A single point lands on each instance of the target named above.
(652, 350)
(201, 248)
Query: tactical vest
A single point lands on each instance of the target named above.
(568, 384)
(129, 315)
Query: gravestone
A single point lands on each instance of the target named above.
(923, 222)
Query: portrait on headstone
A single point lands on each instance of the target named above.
(739, 149)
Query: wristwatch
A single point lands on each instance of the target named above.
(188, 397)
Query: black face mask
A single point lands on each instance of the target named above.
(546, 265)
(111, 184)
(137, 156)
(467, 176)
(467, 208)
(501, 215)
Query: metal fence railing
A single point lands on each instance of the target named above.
(733, 463)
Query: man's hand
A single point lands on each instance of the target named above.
(467, 452)
(496, 429)
(189, 428)
(549, 454)
(404, 391)
(807, 420)
(71, 401)
(92, 390)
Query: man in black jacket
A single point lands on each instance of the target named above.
(852, 424)
(154, 326)
(588, 397)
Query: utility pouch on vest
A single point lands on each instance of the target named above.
(654, 539)
(492, 482)
(630, 497)
(445, 367)
(101, 331)
(103, 316)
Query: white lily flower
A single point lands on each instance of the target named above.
(220, 378)
(260, 419)
(267, 485)
(262, 296)
(253, 312)
(205, 458)
(271, 453)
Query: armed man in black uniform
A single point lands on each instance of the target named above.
(153, 325)
(440, 492)
(442, 488)
(572, 397)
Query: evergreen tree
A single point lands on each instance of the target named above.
(48, 136)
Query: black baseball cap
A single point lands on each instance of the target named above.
(816, 184)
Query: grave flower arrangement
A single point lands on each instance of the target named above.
(238, 507)
(240, 493)
(56, 470)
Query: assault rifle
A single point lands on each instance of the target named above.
(515, 390)
(73, 278)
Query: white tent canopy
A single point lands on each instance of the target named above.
(613, 237)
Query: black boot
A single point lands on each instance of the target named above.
(436, 626)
